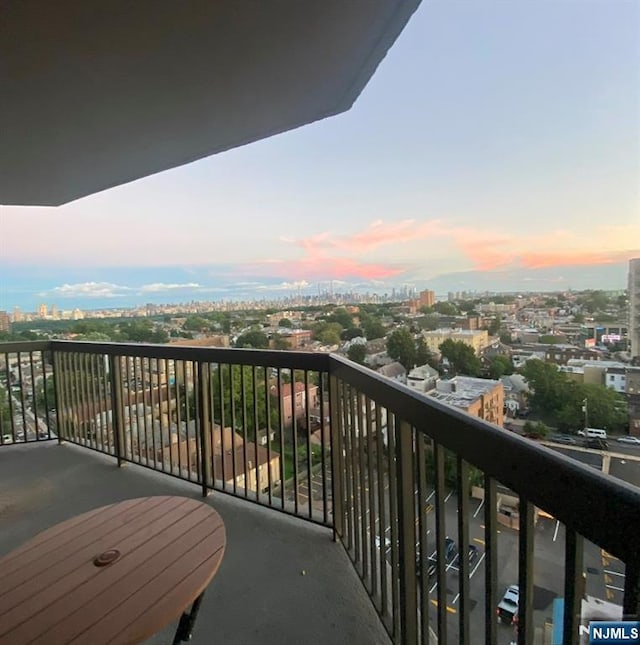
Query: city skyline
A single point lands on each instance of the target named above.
(489, 151)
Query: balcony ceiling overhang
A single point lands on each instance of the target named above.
(97, 94)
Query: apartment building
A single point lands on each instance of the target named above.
(482, 398)
(476, 338)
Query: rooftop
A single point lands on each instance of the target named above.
(461, 391)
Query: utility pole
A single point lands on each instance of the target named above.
(586, 413)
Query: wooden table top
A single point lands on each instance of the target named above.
(117, 574)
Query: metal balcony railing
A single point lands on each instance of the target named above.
(328, 441)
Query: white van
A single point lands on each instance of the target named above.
(595, 433)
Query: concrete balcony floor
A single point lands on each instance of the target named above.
(259, 594)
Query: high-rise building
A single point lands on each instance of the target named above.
(634, 306)
(5, 321)
(42, 311)
(18, 316)
(427, 298)
(55, 314)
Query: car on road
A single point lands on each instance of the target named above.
(508, 607)
(631, 441)
(563, 438)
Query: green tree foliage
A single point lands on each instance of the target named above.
(280, 343)
(372, 326)
(196, 323)
(536, 429)
(561, 400)
(424, 356)
(495, 326)
(578, 318)
(141, 331)
(430, 322)
(243, 407)
(500, 366)
(341, 316)
(446, 308)
(350, 334)
(356, 353)
(461, 357)
(254, 338)
(327, 332)
(285, 322)
(401, 347)
(549, 339)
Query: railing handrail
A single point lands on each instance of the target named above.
(316, 361)
(606, 510)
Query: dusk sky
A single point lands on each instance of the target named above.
(496, 147)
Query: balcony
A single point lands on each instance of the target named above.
(348, 498)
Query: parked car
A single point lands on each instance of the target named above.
(508, 607)
(450, 554)
(563, 438)
(632, 441)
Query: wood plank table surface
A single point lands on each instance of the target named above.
(117, 574)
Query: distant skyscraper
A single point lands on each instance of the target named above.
(42, 311)
(17, 315)
(55, 314)
(427, 298)
(634, 306)
(5, 322)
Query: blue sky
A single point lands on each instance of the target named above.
(496, 147)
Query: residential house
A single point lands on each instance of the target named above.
(394, 371)
(422, 378)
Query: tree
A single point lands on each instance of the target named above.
(327, 332)
(401, 347)
(243, 407)
(285, 322)
(605, 408)
(446, 308)
(48, 398)
(578, 318)
(342, 317)
(196, 323)
(494, 326)
(280, 343)
(536, 430)
(350, 334)
(461, 357)
(254, 339)
(424, 356)
(357, 352)
(549, 387)
(372, 326)
(500, 366)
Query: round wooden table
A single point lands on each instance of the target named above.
(117, 574)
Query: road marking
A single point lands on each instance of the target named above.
(479, 541)
(615, 588)
(451, 610)
(482, 526)
(607, 578)
(614, 573)
(480, 505)
(555, 533)
(609, 595)
(429, 508)
(430, 496)
(448, 497)
(455, 600)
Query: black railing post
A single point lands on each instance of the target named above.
(337, 487)
(57, 389)
(204, 427)
(407, 532)
(117, 408)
